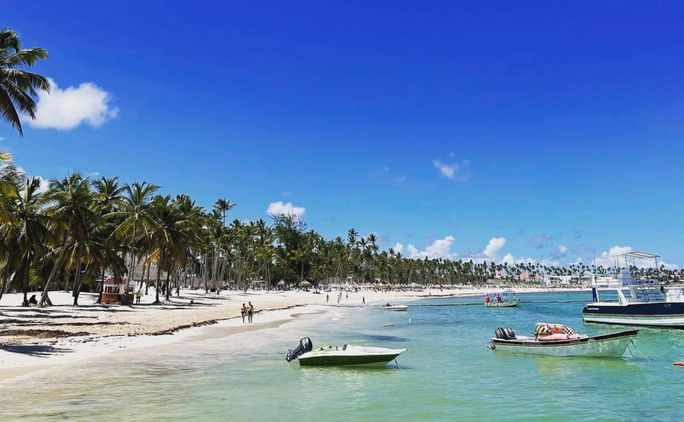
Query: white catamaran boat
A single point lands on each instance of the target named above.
(642, 302)
(347, 355)
(560, 340)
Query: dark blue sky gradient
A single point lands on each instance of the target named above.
(570, 115)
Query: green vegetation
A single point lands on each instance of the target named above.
(18, 87)
(79, 231)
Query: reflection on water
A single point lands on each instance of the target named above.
(446, 374)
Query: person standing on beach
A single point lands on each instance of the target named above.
(363, 299)
(138, 295)
(327, 298)
(243, 311)
(250, 312)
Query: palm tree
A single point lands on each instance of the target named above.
(134, 216)
(223, 206)
(25, 238)
(19, 87)
(71, 211)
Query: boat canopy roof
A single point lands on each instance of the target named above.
(637, 255)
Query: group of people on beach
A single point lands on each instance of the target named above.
(339, 297)
(247, 311)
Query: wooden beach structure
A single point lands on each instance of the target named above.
(118, 291)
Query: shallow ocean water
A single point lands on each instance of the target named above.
(447, 373)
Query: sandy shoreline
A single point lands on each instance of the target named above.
(33, 339)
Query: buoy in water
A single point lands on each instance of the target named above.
(388, 325)
(678, 363)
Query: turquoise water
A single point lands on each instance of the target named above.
(447, 373)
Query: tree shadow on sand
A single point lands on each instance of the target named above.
(37, 350)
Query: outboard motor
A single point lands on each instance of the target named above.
(510, 333)
(504, 333)
(500, 333)
(304, 346)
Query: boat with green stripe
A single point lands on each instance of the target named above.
(346, 355)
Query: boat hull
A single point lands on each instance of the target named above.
(608, 345)
(654, 314)
(367, 357)
(367, 361)
(397, 308)
(511, 304)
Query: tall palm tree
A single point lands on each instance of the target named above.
(223, 206)
(71, 211)
(134, 216)
(19, 87)
(25, 237)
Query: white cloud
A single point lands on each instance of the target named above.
(413, 251)
(285, 208)
(494, 246)
(562, 249)
(616, 250)
(440, 248)
(2, 138)
(44, 184)
(511, 260)
(66, 109)
(455, 171)
(398, 248)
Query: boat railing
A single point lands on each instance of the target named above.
(648, 293)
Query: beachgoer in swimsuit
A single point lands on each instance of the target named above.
(243, 311)
(250, 312)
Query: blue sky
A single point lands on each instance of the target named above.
(446, 126)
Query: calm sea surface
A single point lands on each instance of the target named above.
(447, 373)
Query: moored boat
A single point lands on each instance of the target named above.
(503, 304)
(560, 340)
(507, 299)
(396, 308)
(643, 302)
(347, 355)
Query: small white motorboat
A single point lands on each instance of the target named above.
(396, 308)
(347, 355)
(503, 304)
(505, 300)
(560, 340)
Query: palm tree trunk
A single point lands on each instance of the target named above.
(147, 283)
(5, 285)
(99, 298)
(44, 297)
(168, 287)
(156, 284)
(77, 278)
